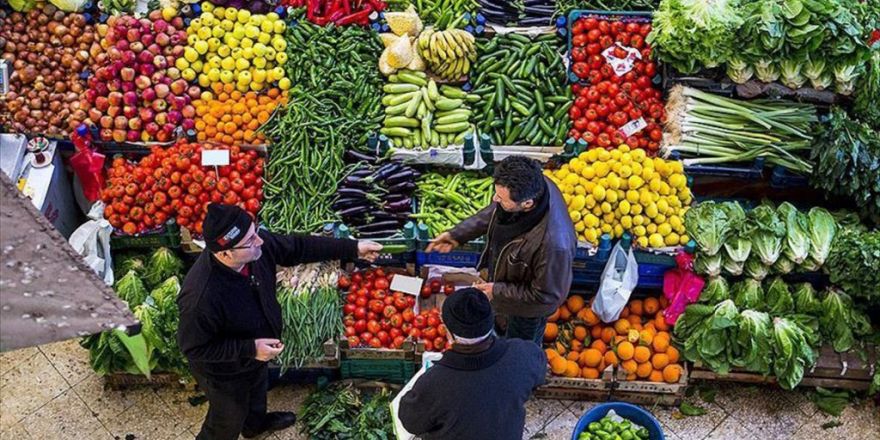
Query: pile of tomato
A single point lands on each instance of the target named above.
(605, 100)
(170, 182)
(377, 317)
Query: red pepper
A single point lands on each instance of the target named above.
(361, 17)
(336, 15)
(312, 9)
(346, 6)
(378, 5)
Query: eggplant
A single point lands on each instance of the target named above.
(348, 203)
(403, 205)
(535, 21)
(406, 174)
(354, 210)
(380, 226)
(352, 193)
(401, 187)
(385, 171)
(360, 157)
(394, 197)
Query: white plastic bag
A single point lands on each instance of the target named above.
(92, 241)
(620, 277)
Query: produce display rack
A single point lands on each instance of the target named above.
(832, 370)
(626, 16)
(613, 386)
(169, 235)
(383, 364)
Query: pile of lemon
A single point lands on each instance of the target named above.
(233, 46)
(624, 190)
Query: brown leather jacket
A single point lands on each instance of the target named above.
(533, 271)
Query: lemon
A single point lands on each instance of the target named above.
(655, 241)
(580, 190)
(579, 226)
(575, 216)
(654, 185)
(626, 222)
(562, 172)
(616, 153)
(243, 15)
(672, 239)
(638, 220)
(651, 210)
(571, 179)
(637, 209)
(593, 155)
(664, 229)
(625, 207)
(639, 155)
(660, 218)
(662, 206)
(675, 222)
(601, 168)
(618, 231)
(683, 239)
(613, 181)
(566, 197)
(577, 203)
(606, 228)
(590, 201)
(625, 171)
(588, 172)
(576, 165)
(635, 182)
(677, 180)
(639, 231)
(599, 193)
(604, 155)
(642, 242)
(606, 207)
(591, 235)
(591, 220)
(611, 196)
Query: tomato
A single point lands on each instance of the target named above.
(426, 292)
(223, 185)
(593, 95)
(384, 337)
(375, 343)
(373, 327)
(194, 189)
(252, 206)
(344, 282)
(593, 128)
(361, 301)
(237, 184)
(578, 54)
(449, 289)
(637, 41)
(360, 325)
(429, 333)
(617, 27)
(398, 342)
(350, 331)
(574, 112)
(619, 52)
(650, 70)
(429, 346)
(656, 135)
(377, 294)
(604, 26)
(580, 69)
(594, 49)
(231, 198)
(381, 283)
(594, 35)
(603, 140)
(439, 341)
(407, 315)
(354, 341)
(419, 322)
(580, 40)
(588, 137)
(606, 42)
(376, 306)
(581, 102)
(645, 30)
(581, 123)
(624, 40)
(433, 321)
(388, 300)
(596, 62)
(175, 192)
(590, 23)
(349, 308)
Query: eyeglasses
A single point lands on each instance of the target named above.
(249, 243)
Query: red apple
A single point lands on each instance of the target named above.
(127, 74)
(162, 90)
(106, 121)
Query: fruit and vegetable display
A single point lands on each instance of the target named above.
(521, 83)
(611, 192)
(375, 200)
(345, 411)
(579, 345)
(45, 50)
(520, 12)
(616, 101)
(232, 117)
(444, 201)
(337, 12)
(759, 242)
(170, 183)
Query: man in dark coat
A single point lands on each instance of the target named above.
(478, 390)
(230, 319)
(530, 246)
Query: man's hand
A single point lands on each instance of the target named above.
(486, 288)
(268, 349)
(368, 250)
(443, 243)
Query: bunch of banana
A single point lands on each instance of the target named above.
(448, 53)
(420, 114)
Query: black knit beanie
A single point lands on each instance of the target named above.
(225, 226)
(468, 314)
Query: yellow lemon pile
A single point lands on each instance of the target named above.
(611, 192)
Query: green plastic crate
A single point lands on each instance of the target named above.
(386, 370)
(168, 236)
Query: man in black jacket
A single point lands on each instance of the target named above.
(230, 319)
(478, 390)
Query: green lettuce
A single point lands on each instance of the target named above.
(131, 289)
(768, 234)
(778, 298)
(708, 224)
(715, 291)
(823, 228)
(797, 233)
(783, 266)
(163, 264)
(756, 269)
(854, 264)
(753, 341)
(805, 299)
(748, 294)
(691, 320)
(836, 320)
(693, 34)
(160, 318)
(737, 244)
(708, 265)
(123, 263)
(715, 343)
(792, 352)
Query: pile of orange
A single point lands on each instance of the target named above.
(232, 117)
(578, 344)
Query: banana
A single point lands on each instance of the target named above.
(438, 45)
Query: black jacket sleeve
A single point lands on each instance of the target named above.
(199, 340)
(290, 250)
(415, 412)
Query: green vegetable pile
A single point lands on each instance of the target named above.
(563, 7)
(608, 428)
(854, 264)
(310, 306)
(759, 242)
(335, 104)
(443, 14)
(344, 412)
(691, 35)
(847, 157)
(444, 201)
(150, 289)
(521, 83)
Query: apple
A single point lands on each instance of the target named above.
(114, 111)
(132, 135)
(102, 104)
(129, 111)
(119, 135)
(152, 128)
(135, 124)
(146, 114)
(106, 121)
(127, 73)
(149, 95)
(179, 87)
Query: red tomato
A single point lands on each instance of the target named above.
(373, 326)
(429, 333)
(578, 54)
(360, 325)
(350, 331)
(408, 315)
(383, 337)
(375, 343)
(381, 283)
(433, 321)
(349, 308)
(354, 341)
(396, 320)
(400, 304)
(574, 112)
(449, 289)
(426, 292)
(580, 40)
(398, 342)
(419, 322)
(590, 23)
(439, 341)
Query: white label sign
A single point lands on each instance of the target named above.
(622, 66)
(215, 157)
(407, 284)
(633, 127)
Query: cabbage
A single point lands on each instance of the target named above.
(783, 266)
(805, 300)
(708, 265)
(797, 233)
(708, 224)
(131, 289)
(738, 244)
(715, 291)
(162, 265)
(754, 268)
(753, 342)
(748, 294)
(778, 298)
(792, 352)
(835, 320)
(823, 227)
(768, 234)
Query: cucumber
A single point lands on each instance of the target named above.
(398, 109)
(392, 100)
(448, 104)
(400, 88)
(401, 121)
(426, 99)
(452, 128)
(451, 119)
(432, 90)
(452, 92)
(473, 99)
(413, 106)
(396, 132)
(417, 73)
(410, 78)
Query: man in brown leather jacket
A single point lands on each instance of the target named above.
(530, 245)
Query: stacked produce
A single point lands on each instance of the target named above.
(624, 190)
(233, 117)
(136, 93)
(401, 51)
(420, 114)
(714, 129)
(444, 14)
(335, 105)
(170, 182)
(580, 345)
(233, 46)
(846, 153)
(337, 12)
(448, 53)
(117, 6)
(764, 240)
(310, 311)
(519, 12)
(521, 84)
(376, 200)
(854, 263)
(693, 34)
(341, 411)
(617, 102)
(45, 51)
(606, 426)
(444, 201)
(149, 285)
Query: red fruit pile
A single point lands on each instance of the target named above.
(616, 101)
(435, 286)
(171, 183)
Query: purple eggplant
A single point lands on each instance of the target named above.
(401, 187)
(403, 205)
(359, 157)
(406, 174)
(354, 210)
(379, 226)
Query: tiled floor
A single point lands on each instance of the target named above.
(50, 392)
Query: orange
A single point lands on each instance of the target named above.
(611, 358)
(602, 365)
(564, 313)
(596, 332)
(660, 322)
(599, 344)
(631, 376)
(660, 361)
(661, 342)
(636, 308)
(580, 333)
(652, 306)
(551, 354)
(641, 354)
(664, 303)
(554, 317)
(621, 326)
(672, 352)
(618, 339)
(656, 376)
(573, 356)
(590, 373)
(671, 373)
(560, 348)
(273, 93)
(645, 337)
(644, 370)
(625, 312)
(591, 357)
(576, 345)
(608, 334)
(630, 366)
(558, 365)
(228, 88)
(625, 351)
(575, 303)
(572, 369)
(634, 320)
(590, 317)
(551, 331)
(650, 327)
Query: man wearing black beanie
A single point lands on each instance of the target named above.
(479, 388)
(230, 319)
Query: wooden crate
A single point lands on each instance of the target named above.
(649, 393)
(567, 388)
(341, 351)
(125, 381)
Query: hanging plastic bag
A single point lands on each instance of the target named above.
(620, 277)
(92, 241)
(681, 286)
(69, 5)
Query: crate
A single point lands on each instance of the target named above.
(625, 16)
(343, 352)
(166, 236)
(649, 393)
(466, 255)
(406, 237)
(388, 370)
(566, 388)
(125, 381)
(587, 269)
(781, 178)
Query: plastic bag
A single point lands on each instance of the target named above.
(92, 241)
(620, 277)
(681, 286)
(69, 5)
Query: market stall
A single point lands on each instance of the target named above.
(735, 169)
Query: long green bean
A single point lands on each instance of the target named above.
(444, 201)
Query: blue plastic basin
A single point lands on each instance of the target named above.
(633, 413)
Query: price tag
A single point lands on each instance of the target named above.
(215, 157)
(633, 127)
(407, 284)
(622, 66)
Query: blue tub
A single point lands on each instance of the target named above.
(633, 413)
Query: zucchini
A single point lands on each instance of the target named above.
(410, 78)
(401, 121)
(452, 128)
(396, 132)
(448, 104)
(400, 88)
